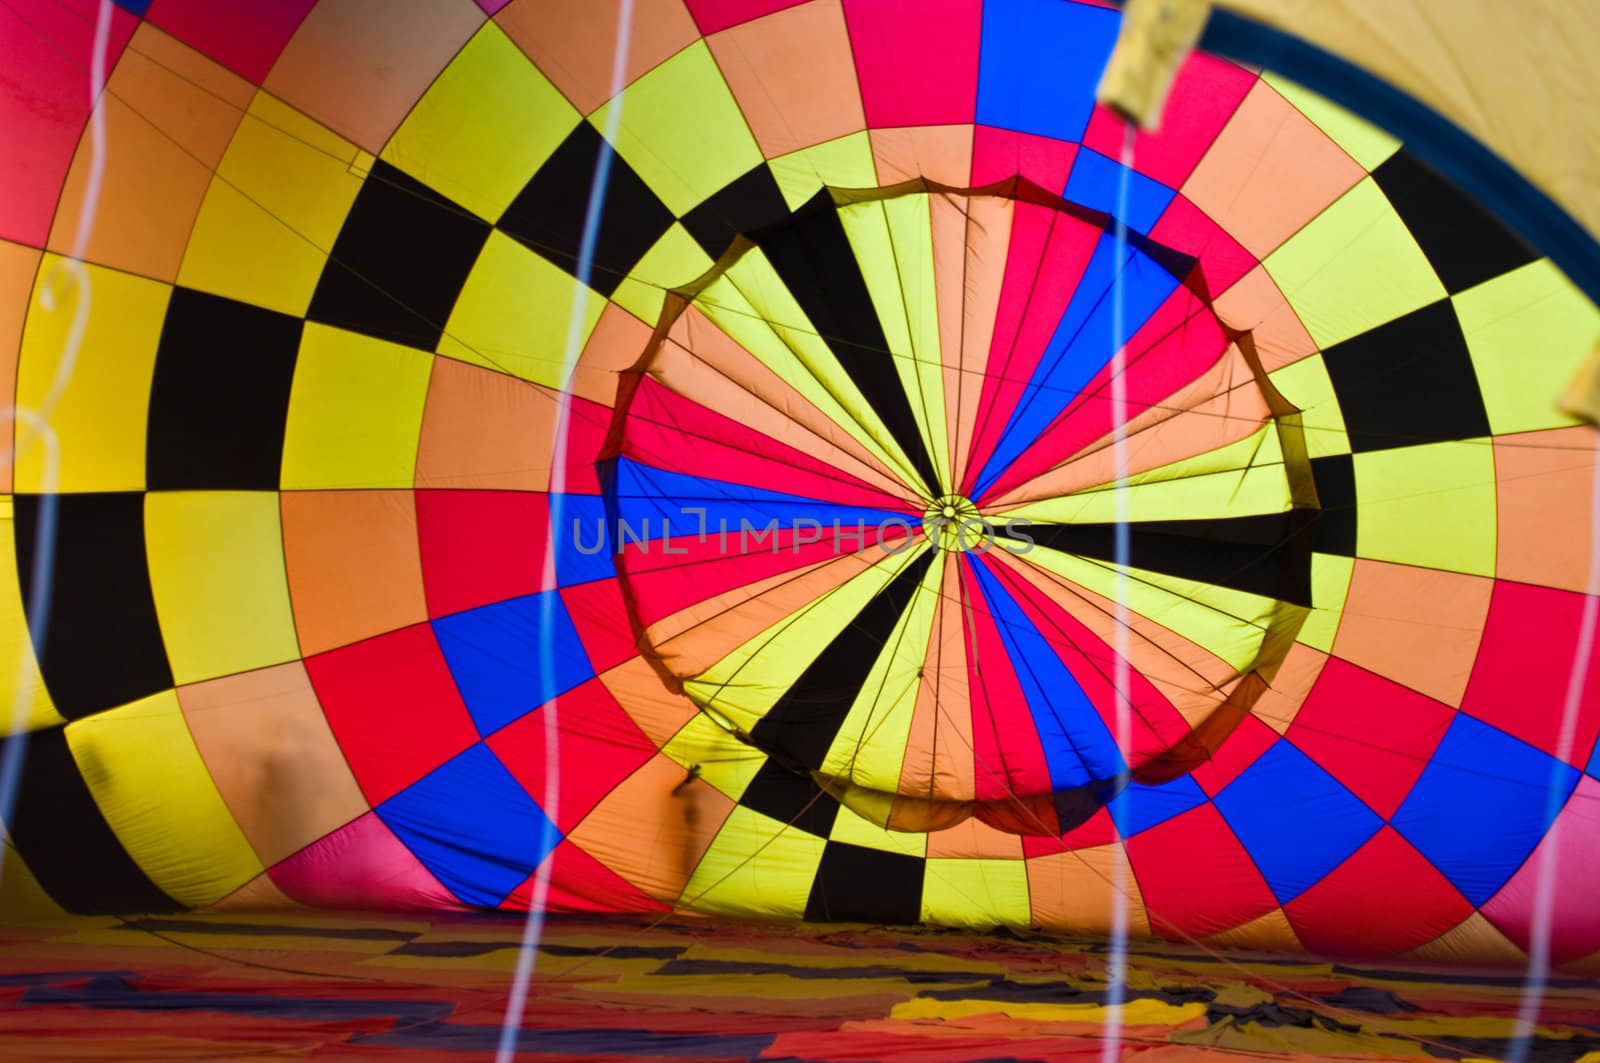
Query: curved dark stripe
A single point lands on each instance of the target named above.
(812, 255)
(803, 723)
(1445, 146)
(1269, 555)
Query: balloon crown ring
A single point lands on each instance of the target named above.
(953, 523)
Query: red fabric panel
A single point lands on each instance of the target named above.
(1204, 96)
(1195, 876)
(1373, 735)
(601, 618)
(600, 746)
(44, 103)
(246, 36)
(1519, 683)
(1000, 154)
(480, 547)
(1386, 898)
(393, 707)
(916, 60)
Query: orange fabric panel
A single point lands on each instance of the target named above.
(793, 76)
(574, 41)
(169, 114)
(358, 66)
(654, 828)
(617, 343)
(485, 430)
(1269, 172)
(18, 265)
(273, 757)
(939, 153)
(1545, 481)
(939, 752)
(970, 240)
(1287, 692)
(1417, 626)
(658, 712)
(353, 566)
(1255, 304)
(1074, 889)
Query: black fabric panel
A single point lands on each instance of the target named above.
(1408, 381)
(400, 261)
(548, 214)
(220, 395)
(1465, 244)
(1335, 530)
(790, 798)
(855, 884)
(67, 843)
(103, 644)
(812, 255)
(747, 204)
(1268, 555)
(801, 726)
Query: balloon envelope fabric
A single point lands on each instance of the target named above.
(830, 622)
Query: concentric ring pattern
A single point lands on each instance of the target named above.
(853, 266)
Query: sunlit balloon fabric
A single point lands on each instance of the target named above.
(855, 268)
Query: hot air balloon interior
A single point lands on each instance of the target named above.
(799, 529)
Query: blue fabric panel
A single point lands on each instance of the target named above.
(644, 493)
(473, 825)
(1040, 63)
(1140, 807)
(1093, 183)
(1481, 805)
(1080, 346)
(1077, 746)
(585, 550)
(493, 653)
(1296, 821)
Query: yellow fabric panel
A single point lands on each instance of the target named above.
(1432, 506)
(1518, 77)
(355, 412)
(681, 129)
(756, 866)
(721, 759)
(17, 659)
(1528, 330)
(1362, 141)
(893, 242)
(21, 896)
(749, 681)
(273, 210)
(672, 262)
(1229, 623)
(150, 783)
(845, 162)
(216, 571)
(1138, 1012)
(853, 829)
(1307, 385)
(1330, 582)
(871, 744)
(514, 312)
(1243, 478)
(751, 304)
(1353, 267)
(100, 418)
(976, 893)
(484, 127)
